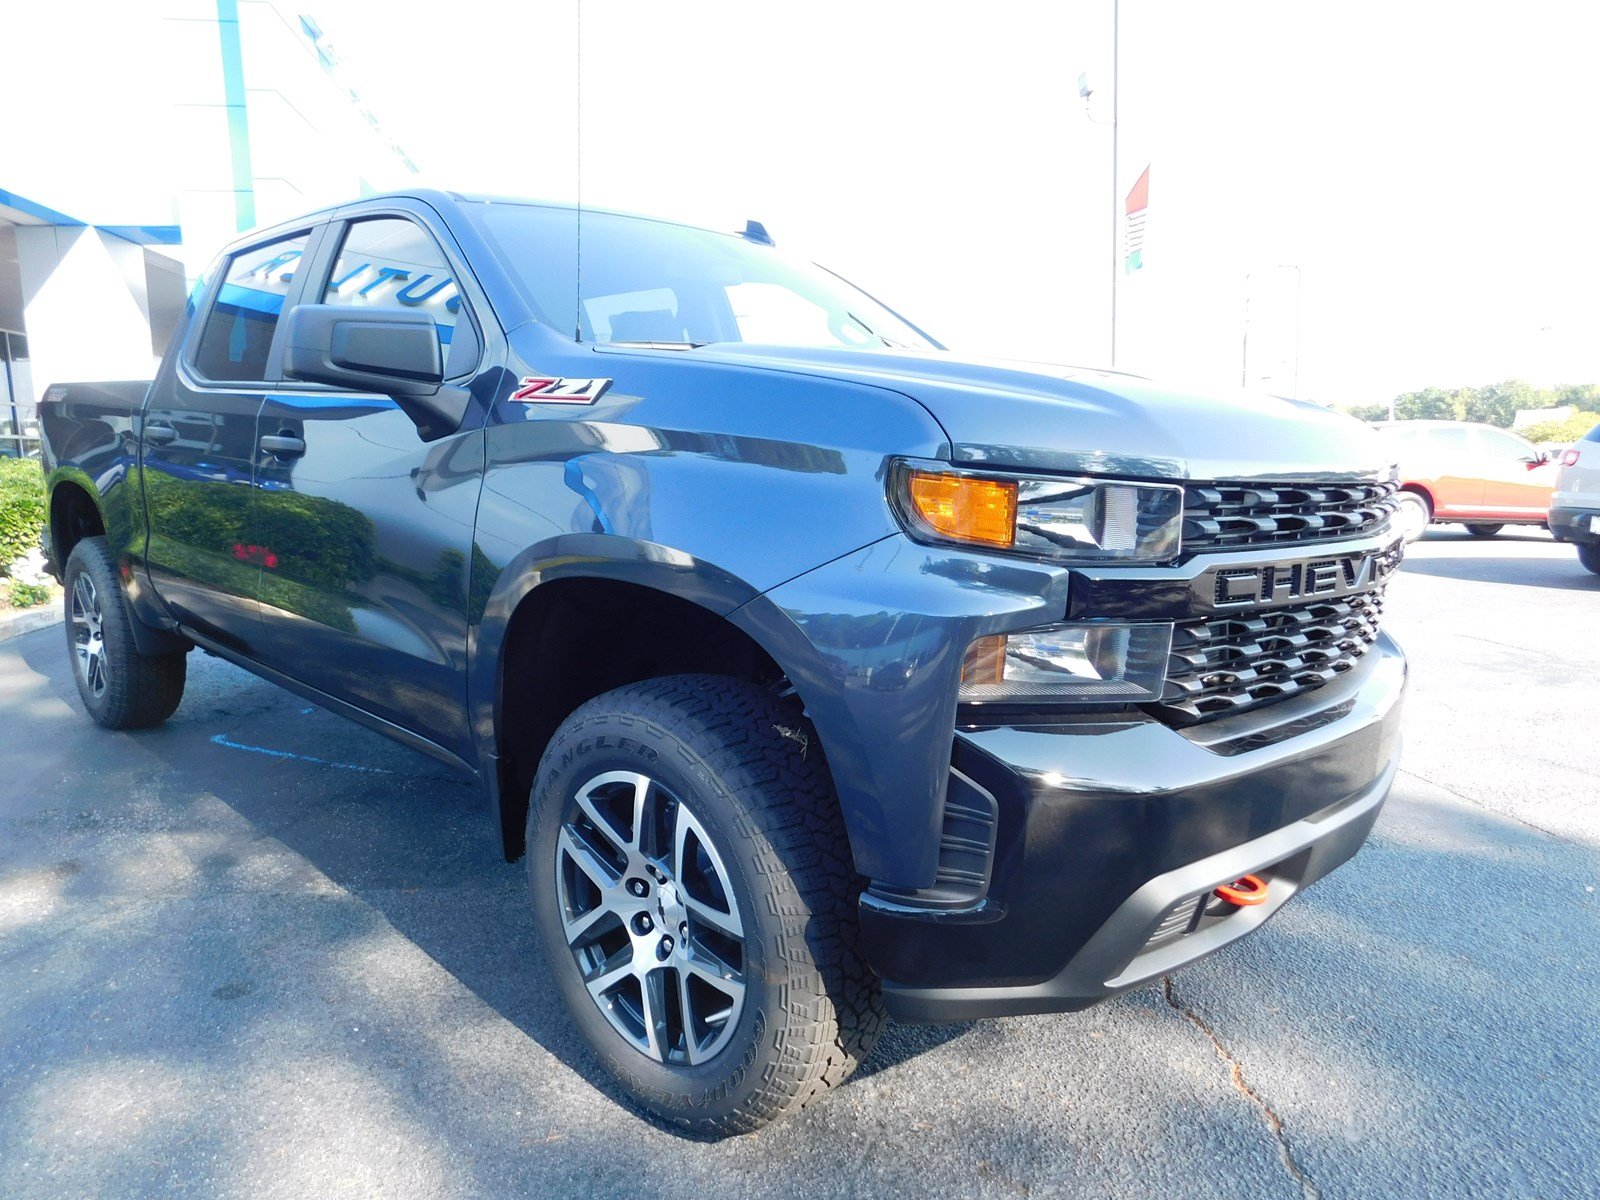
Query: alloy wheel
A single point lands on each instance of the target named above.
(88, 636)
(648, 912)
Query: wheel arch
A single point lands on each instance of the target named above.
(1423, 490)
(74, 513)
(594, 612)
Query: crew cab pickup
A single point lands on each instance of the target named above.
(817, 672)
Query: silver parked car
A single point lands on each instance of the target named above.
(1575, 503)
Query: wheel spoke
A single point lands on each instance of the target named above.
(641, 815)
(653, 991)
(714, 971)
(601, 873)
(723, 922)
(610, 973)
(598, 819)
(691, 1043)
(579, 927)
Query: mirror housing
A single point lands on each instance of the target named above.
(393, 352)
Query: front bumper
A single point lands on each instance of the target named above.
(1111, 835)
(1575, 524)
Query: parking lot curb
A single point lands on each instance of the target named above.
(27, 620)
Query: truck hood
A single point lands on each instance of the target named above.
(1008, 413)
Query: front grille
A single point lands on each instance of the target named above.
(1227, 516)
(1226, 664)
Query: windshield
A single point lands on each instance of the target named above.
(655, 283)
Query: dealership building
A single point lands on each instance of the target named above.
(162, 129)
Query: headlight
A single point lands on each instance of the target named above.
(1074, 520)
(1101, 661)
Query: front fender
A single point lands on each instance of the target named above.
(873, 643)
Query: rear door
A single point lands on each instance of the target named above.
(1450, 459)
(370, 527)
(199, 444)
(1516, 483)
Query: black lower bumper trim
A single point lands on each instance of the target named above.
(1290, 859)
(1574, 525)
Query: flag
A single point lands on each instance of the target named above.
(1136, 206)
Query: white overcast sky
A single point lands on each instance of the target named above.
(1430, 168)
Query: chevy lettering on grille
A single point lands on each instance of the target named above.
(1227, 588)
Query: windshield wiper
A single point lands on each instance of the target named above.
(658, 345)
(888, 343)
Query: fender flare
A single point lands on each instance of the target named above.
(663, 569)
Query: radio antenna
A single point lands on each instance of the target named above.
(577, 298)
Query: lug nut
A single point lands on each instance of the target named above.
(638, 887)
(643, 923)
(665, 948)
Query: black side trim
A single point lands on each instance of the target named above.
(359, 715)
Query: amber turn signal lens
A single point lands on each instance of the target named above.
(985, 663)
(966, 509)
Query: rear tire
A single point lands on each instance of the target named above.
(1589, 556)
(1480, 530)
(1412, 515)
(120, 688)
(695, 898)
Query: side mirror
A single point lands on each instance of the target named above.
(390, 351)
(1537, 459)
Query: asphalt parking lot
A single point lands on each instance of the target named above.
(262, 952)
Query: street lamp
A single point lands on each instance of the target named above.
(1244, 353)
(1085, 91)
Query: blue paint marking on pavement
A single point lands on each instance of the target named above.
(222, 739)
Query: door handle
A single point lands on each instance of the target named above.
(283, 445)
(160, 434)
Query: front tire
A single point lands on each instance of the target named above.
(1589, 556)
(1412, 515)
(1481, 530)
(694, 895)
(120, 688)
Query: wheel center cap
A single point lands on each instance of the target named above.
(669, 905)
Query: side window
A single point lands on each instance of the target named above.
(1452, 445)
(390, 262)
(238, 330)
(1503, 446)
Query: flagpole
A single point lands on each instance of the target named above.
(1116, 195)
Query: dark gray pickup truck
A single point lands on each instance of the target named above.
(817, 672)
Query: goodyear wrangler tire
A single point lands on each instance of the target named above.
(120, 688)
(695, 899)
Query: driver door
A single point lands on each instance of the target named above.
(369, 527)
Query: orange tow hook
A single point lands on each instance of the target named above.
(1243, 893)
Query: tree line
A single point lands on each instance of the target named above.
(1495, 404)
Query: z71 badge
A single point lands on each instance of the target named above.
(534, 390)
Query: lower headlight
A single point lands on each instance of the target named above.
(1101, 661)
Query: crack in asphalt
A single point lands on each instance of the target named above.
(1272, 1120)
(1493, 812)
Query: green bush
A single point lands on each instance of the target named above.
(28, 595)
(1571, 430)
(21, 508)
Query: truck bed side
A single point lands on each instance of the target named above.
(90, 445)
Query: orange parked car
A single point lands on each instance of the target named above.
(1482, 477)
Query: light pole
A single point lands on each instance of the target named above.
(1244, 347)
(1085, 91)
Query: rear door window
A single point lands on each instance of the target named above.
(237, 336)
